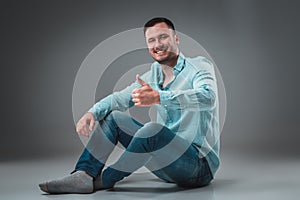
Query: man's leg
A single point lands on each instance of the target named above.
(167, 155)
(187, 171)
(115, 127)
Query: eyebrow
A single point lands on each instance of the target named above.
(160, 35)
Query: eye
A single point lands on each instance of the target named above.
(163, 36)
(150, 40)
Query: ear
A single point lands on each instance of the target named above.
(176, 39)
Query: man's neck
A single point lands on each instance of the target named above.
(168, 68)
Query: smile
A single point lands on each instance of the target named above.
(160, 52)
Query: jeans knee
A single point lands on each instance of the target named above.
(113, 117)
(149, 129)
(153, 125)
(113, 114)
(153, 136)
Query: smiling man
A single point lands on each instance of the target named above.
(181, 147)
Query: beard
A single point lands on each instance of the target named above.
(166, 60)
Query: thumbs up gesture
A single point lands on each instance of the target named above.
(146, 95)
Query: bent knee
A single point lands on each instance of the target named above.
(153, 125)
(150, 129)
(115, 114)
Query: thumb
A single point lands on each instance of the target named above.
(140, 81)
(92, 123)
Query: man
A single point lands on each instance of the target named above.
(182, 147)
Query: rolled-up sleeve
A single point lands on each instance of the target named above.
(121, 101)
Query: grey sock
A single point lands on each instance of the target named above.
(78, 182)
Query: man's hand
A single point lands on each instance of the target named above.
(86, 120)
(146, 95)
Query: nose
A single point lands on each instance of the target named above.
(158, 44)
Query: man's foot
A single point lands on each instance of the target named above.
(78, 182)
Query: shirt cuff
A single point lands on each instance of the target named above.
(93, 111)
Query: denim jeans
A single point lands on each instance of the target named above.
(145, 145)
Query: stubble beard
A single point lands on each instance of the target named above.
(167, 60)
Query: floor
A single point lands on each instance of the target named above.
(240, 177)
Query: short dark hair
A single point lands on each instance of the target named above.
(158, 20)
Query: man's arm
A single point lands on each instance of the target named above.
(117, 101)
(201, 97)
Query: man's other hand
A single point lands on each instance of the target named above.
(86, 124)
(146, 95)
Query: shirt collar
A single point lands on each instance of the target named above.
(180, 63)
(177, 69)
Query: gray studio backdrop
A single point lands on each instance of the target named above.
(43, 43)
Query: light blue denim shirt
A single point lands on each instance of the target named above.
(188, 104)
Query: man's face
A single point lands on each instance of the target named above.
(162, 43)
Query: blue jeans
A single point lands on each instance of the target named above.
(145, 145)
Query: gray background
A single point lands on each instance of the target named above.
(43, 43)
